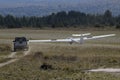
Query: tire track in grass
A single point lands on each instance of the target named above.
(12, 55)
(8, 62)
(109, 70)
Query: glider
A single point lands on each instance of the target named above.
(80, 38)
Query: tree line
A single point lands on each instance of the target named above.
(61, 19)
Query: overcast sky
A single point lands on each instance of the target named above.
(19, 3)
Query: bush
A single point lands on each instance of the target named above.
(46, 66)
(98, 26)
(118, 26)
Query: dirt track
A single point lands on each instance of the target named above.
(109, 70)
(12, 55)
(8, 62)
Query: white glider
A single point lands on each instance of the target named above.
(81, 39)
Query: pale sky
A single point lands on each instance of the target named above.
(19, 3)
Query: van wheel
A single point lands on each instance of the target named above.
(14, 49)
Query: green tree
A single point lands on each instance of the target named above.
(10, 21)
(108, 18)
(1, 20)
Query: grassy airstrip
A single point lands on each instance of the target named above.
(64, 61)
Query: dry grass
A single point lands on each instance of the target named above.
(67, 62)
(76, 49)
(5, 49)
(63, 67)
(2, 60)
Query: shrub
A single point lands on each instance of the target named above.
(118, 26)
(98, 26)
(46, 66)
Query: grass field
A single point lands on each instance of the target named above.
(63, 61)
(5, 49)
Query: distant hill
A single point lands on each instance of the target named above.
(45, 7)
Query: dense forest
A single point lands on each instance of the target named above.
(62, 19)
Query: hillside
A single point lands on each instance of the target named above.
(45, 7)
